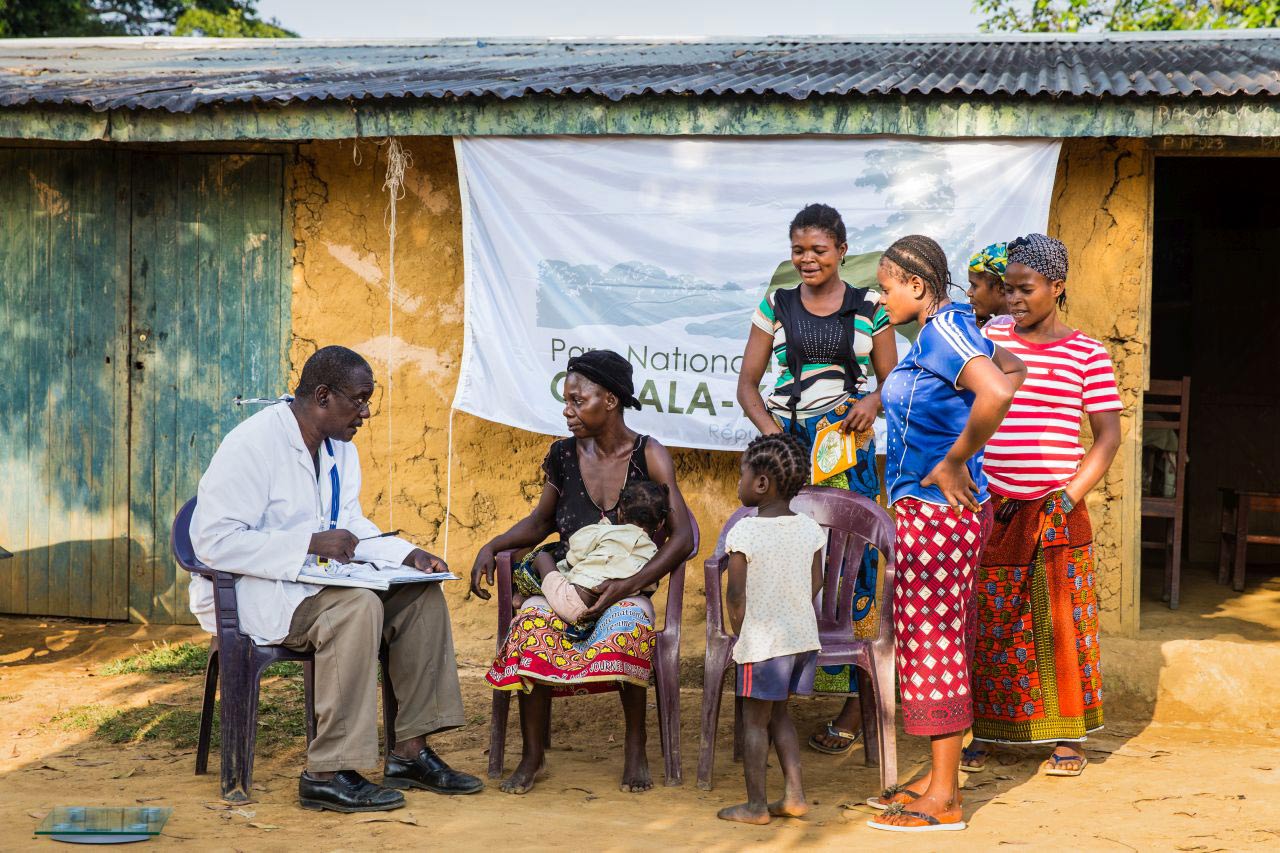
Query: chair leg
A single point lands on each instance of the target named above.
(867, 698)
(716, 662)
(667, 674)
(1227, 527)
(1224, 558)
(1242, 542)
(1167, 593)
(389, 705)
(309, 697)
(887, 735)
(1175, 585)
(498, 732)
(206, 712)
(239, 683)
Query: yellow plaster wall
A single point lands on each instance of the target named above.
(341, 296)
(1102, 211)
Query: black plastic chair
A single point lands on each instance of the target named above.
(236, 664)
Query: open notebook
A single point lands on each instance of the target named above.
(376, 575)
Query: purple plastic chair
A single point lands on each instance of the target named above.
(235, 667)
(666, 661)
(852, 522)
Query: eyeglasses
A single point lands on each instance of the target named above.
(372, 401)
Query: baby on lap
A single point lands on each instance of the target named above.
(601, 552)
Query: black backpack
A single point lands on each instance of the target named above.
(786, 306)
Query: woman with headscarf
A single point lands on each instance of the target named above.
(986, 285)
(584, 478)
(1036, 672)
(827, 338)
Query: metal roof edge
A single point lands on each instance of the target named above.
(192, 43)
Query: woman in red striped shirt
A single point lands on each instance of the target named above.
(1036, 674)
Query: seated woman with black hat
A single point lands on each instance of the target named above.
(585, 476)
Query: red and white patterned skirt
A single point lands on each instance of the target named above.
(938, 551)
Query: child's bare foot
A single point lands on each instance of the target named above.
(789, 806)
(526, 773)
(745, 813)
(635, 772)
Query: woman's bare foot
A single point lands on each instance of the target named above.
(635, 771)
(974, 758)
(789, 806)
(907, 794)
(948, 811)
(1067, 760)
(850, 720)
(745, 813)
(521, 781)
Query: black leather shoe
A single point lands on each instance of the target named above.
(429, 772)
(347, 791)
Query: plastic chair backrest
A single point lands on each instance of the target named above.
(180, 541)
(852, 523)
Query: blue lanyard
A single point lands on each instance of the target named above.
(335, 488)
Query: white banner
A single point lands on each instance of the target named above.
(660, 249)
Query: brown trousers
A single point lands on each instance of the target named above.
(344, 627)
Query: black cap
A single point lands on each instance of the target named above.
(610, 371)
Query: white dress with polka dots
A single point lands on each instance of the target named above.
(779, 618)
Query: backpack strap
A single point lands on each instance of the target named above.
(786, 306)
(855, 305)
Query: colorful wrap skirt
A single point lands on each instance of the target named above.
(618, 649)
(1037, 676)
(863, 478)
(938, 552)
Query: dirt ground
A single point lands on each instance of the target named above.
(1148, 787)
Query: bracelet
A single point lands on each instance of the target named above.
(1067, 503)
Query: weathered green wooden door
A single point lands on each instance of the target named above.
(64, 262)
(210, 321)
(141, 293)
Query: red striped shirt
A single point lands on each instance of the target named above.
(1037, 448)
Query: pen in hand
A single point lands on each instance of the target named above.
(381, 535)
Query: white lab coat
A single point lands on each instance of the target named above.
(258, 504)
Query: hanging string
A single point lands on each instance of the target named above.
(448, 485)
(398, 160)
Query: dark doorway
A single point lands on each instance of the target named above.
(1216, 318)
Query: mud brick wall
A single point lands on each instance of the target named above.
(1102, 210)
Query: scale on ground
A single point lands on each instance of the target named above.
(103, 825)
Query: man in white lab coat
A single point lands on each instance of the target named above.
(283, 490)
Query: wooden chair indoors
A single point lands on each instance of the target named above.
(1165, 406)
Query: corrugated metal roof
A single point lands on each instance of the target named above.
(182, 74)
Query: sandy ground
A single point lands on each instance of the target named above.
(1148, 787)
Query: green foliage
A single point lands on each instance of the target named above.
(183, 659)
(1069, 16)
(282, 720)
(56, 18)
(163, 658)
(233, 23)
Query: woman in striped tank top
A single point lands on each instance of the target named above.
(1036, 672)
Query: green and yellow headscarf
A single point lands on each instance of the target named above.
(994, 259)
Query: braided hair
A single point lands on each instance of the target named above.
(783, 459)
(824, 217)
(919, 255)
(644, 504)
